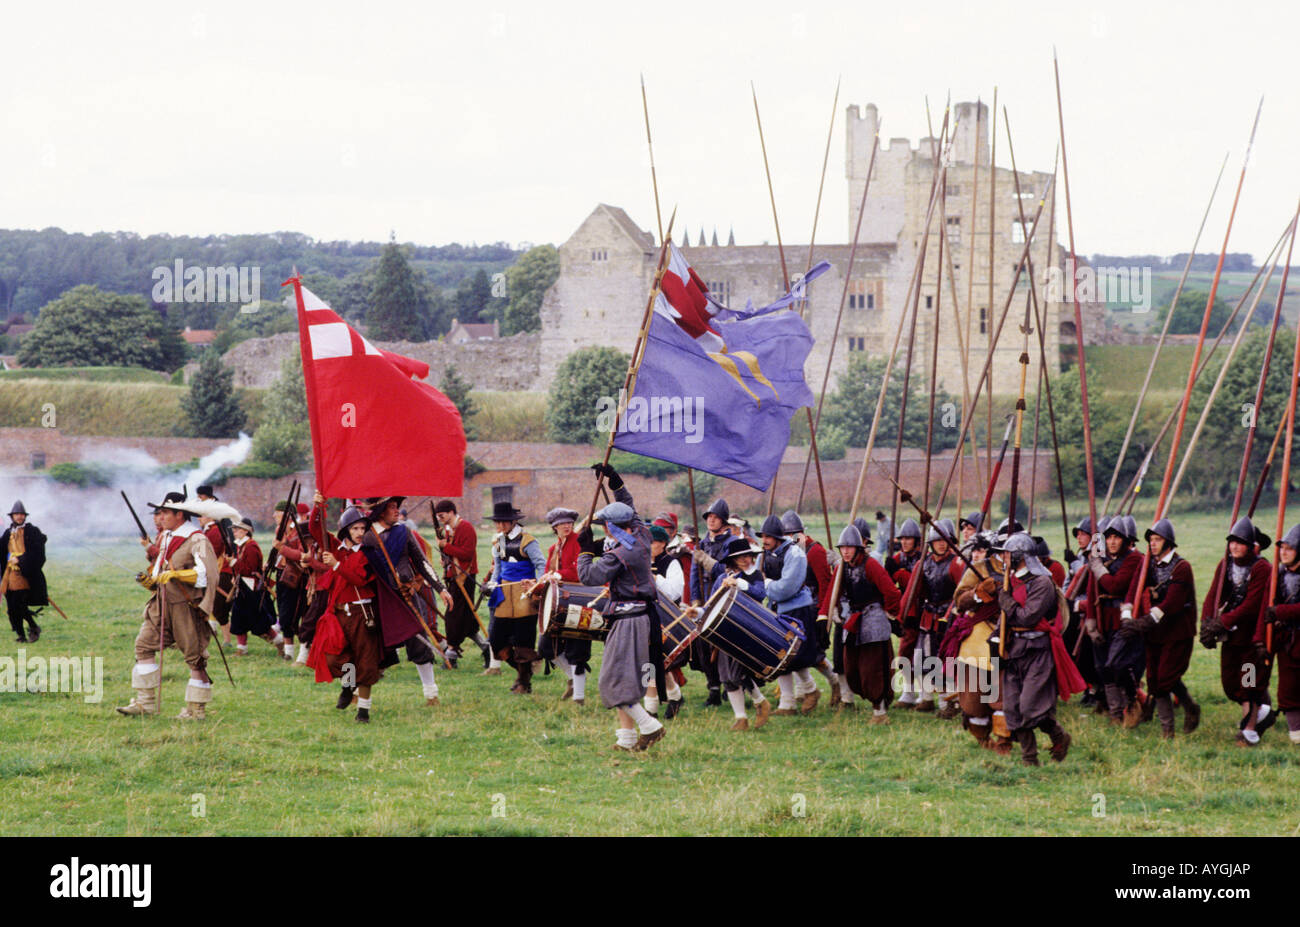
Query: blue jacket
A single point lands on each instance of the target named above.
(784, 570)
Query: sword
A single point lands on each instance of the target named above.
(55, 606)
(216, 639)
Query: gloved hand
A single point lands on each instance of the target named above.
(1097, 568)
(1157, 613)
(1261, 652)
(1094, 633)
(146, 579)
(1213, 625)
(610, 474)
(1128, 629)
(704, 561)
(214, 624)
(1145, 623)
(987, 590)
(588, 544)
(1208, 639)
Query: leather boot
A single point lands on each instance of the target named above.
(1191, 714)
(1115, 703)
(1165, 710)
(145, 685)
(196, 701)
(525, 681)
(346, 695)
(1028, 746)
(1060, 739)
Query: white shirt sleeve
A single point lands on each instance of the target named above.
(202, 571)
(673, 583)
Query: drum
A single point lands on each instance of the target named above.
(567, 611)
(761, 641)
(676, 627)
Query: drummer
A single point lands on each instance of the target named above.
(670, 581)
(623, 563)
(784, 568)
(737, 569)
(572, 656)
(866, 598)
(516, 556)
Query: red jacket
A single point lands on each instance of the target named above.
(353, 579)
(463, 547)
(892, 600)
(249, 560)
(567, 564)
(1112, 589)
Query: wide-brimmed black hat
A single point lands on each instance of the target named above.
(176, 502)
(737, 546)
(505, 511)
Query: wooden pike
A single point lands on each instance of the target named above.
(1289, 417)
(970, 308)
(880, 405)
(993, 181)
(1160, 343)
(1191, 374)
(1218, 382)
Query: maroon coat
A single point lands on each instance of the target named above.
(1245, 623)
(1112, 588)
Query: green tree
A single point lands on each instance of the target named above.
(211, 404)
(88, 327)
(458, 391)
(706, 490)
(1108, 423)
(1189, 312)
(853, 404)
(581, 380)
(394, 313)
(527, 281)
(284, 436)
(1216, 461)
(473, 300)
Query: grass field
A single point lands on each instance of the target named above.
(275, 757)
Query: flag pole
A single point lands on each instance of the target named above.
(993, 177)
(634, 363)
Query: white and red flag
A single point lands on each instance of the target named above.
(376, 428)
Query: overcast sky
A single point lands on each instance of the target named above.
(509, 121)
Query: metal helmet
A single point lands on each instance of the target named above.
(1084, 525)
(350, 517)
(1131, 528)
(852, 537)
(1042, 549)
(864, 529)
(791, 522)
(772, 527)
(719, 508)
(910, 529)
(1292, 538)
(1164, 528)
(942, 530)
(1243, 531)
(1115, 525)
(1010, 526)
(1020, 544)
(1263, 540)
(974, 519)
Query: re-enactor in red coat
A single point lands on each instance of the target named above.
(1285, 617)
(348, 644)
(1233, 620)
(1166, 621)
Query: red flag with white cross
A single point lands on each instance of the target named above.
(376, 428)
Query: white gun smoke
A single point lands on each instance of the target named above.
(69, 513)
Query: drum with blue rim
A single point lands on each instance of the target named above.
(760, 640)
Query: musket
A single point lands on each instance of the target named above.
(216, 639)
(290, 505)
(139, 524)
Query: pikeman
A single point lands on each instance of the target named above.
(458, 542)
(975, 675)
(23, 582)
(899, 566)
(708, 552)
(1055, 567)
(867, 596)
(347, 643)
(816, 579)
(670, 580)
(841, 693)
(623, 564)
(1284, 615)
(401, 573)
(941, 571)
(1078, 559)
(572, 656)
(251, 609)
(1166, 622)
(1119, 659)
(1035, 662)
(784, 567)
(1232, 622)
(516, 556)
(291, 584)
(179, 612)
(738, 569)
(969, 527)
